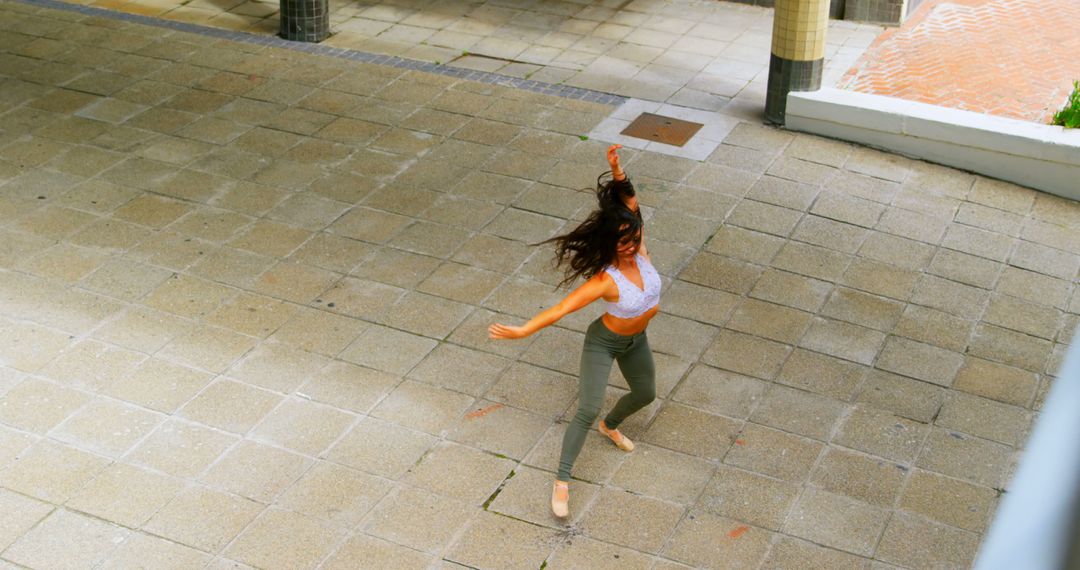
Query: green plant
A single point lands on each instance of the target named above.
(1069, 116)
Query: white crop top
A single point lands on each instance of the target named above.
(634, 302)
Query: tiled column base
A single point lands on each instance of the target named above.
(305, 20)
(785, 76)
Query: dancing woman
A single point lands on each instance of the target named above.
(607, 250)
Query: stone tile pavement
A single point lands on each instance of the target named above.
(243, 294)
(702, 54)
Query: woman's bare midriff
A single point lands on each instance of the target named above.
(627, 327)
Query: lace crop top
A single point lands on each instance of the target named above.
(634, 302)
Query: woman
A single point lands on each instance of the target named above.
(608, 251)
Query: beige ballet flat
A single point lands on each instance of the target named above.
(560, 499)
(620, 440)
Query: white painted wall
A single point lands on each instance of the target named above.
(1038, 156)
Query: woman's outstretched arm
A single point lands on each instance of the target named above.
(588, 292)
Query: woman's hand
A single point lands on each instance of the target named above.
(504, 332)
(613, 162)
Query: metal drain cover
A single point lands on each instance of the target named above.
(667, 130)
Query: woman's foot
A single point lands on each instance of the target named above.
(621, 441)
(560, 499)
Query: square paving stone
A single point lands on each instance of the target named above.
(500, 429)
(230, 406)
(812, 261)
(21, 514)
(535, 389)
(918, 360)
(387, 349)
(692, 431)
(334, 493)
(284, 540)
(746, 354)
(1018, 315)
(764, 218)
(181, 449)
(557, 348)
(66, 540)
(720, 392)
(210, 348)
(419, 519)
(422, 407)
(905, 397)
(745, 496)
(747, 245)
(461, 283)
(794, 554)
(837, 521)
(526, 495)
(277, 367)
(256, 471)
(473, 333)
(303, 426)
(996, 381)
(381, 448)
(348, 387)
(882, 434)
(294, 282)
(582, 552)
(143, 549)
(863, 477)
(427, 315)
(984, 418)
(781, 192)
(965, 457)
(125, 495)
(1009, 347)
(396, 267)
(91, 365)
(914, 542)
(774, 322)
(319, 331)
(705, 540)
(699, 303)
(935, 327)
(493, 541)
(680, 337)
(255, 315)
(773, 453)
(864, 309)
(950, 501)
(107, 426)
(460, 472)
(647, 531)
(719, 272)
(791, 290)
(880, 278)
(843, 340)
(822, 374)
(363, 549)
(51, 472)
(39, 406)
(203, 518)
(799, 412)
(668, 475)
(459, 368)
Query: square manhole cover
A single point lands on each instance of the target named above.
(667, 130)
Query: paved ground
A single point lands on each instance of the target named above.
(1000, 57)
(243, 292)
(702, 54)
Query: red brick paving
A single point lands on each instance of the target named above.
(1009, 58)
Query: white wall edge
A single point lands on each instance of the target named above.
(1043, 157)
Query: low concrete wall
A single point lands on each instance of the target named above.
(1043, 157)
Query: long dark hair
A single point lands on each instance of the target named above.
(589, 248)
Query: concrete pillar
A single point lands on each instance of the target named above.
(798, 52)
(304, 20)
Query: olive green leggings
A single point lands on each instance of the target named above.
(636, 363)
